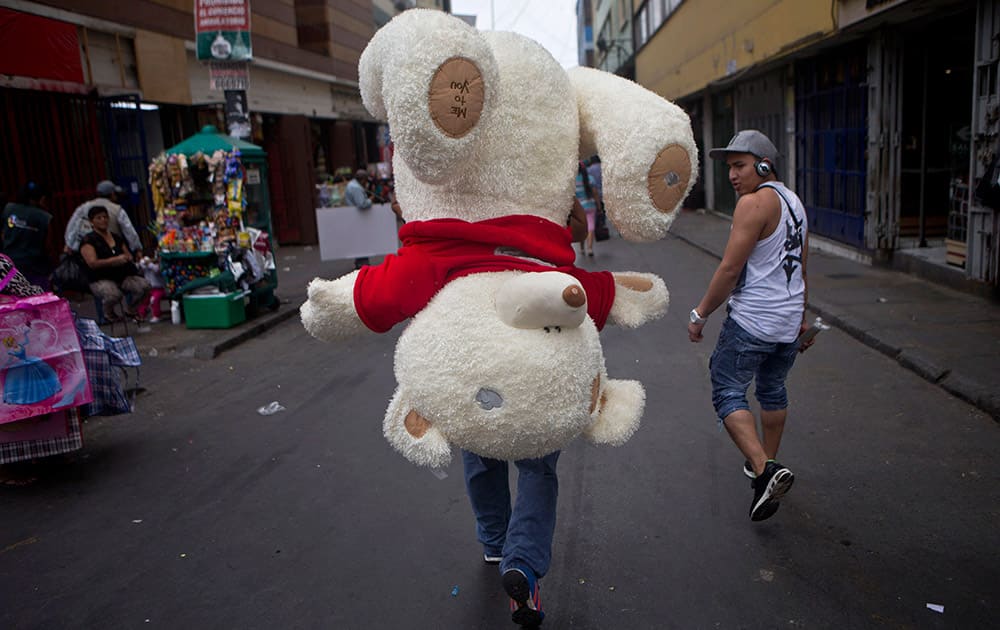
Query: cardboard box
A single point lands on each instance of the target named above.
(215, 311)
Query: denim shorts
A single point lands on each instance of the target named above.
(740, 357)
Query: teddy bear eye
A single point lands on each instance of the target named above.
(489, 399)
(672, 178)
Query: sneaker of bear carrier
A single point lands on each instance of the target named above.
(525, 601)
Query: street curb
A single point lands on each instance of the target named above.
(957, 385)
(922, 365)
(973, 393)
(260, 324)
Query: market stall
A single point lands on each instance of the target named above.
(213, 224)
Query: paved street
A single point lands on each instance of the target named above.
(199, 512)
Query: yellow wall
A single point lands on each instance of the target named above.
(700, 39)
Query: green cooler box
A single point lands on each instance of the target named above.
(215, 311)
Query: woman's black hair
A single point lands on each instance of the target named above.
(582, 169)
(96, 210)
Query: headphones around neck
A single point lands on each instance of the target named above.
(762, 167)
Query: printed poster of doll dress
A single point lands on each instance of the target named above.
(28, 379)
(41, 366)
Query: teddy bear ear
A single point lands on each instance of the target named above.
(433, 78)
(415, 437)
(649, 159)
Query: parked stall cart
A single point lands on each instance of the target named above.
(213, 219)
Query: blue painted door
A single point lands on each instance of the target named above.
(831, 112)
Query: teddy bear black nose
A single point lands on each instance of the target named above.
(488, 399)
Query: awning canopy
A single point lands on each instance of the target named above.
(209, 140)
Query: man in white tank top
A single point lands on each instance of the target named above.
(763, 277)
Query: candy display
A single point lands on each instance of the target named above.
(207, 218)
(199, 202)
(178, 271)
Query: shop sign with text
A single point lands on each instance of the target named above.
(222, 30)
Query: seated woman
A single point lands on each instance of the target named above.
(112, 274)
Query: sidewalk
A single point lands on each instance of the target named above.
(297, 266)
(948, 337)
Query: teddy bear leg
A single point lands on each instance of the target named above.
(620, 410)
(639, 298)
(414, 436)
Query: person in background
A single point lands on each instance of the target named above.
(151, 272)
(118, 221)
(113, 274)
(762, 279)
(356, 194)
(585, 195)
(24, 228)
(577, 223)
(596, 180)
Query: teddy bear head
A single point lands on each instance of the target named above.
(488, 124)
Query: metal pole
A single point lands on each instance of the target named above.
(923, 154)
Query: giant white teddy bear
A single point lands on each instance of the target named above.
(502, 355)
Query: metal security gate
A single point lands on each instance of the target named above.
(123, 136)
(983, 228)
(69, 142)
(53, 139)
(831, 103)
(760, 105)
(885, 57)
(723, 122)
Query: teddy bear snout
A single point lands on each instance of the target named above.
(574, 296)
(549, 301)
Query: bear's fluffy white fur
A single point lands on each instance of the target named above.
(479, 367)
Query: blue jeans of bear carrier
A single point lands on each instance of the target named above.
(522, 536)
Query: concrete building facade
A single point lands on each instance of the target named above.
(134, 86)
(885, 111)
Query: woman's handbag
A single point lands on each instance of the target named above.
(13, 282)
(71, 274)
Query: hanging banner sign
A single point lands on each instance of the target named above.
(237, 114)
(228, 75)
(222, 30)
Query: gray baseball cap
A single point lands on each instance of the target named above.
(105, 188)
(748, 141)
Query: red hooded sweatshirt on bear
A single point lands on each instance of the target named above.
(436, 252)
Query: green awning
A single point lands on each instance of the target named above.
(209, 140)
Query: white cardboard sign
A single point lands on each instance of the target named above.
(347, 232)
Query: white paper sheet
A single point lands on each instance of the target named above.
(347, 232)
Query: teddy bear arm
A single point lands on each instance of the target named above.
(413, 436)
(621, 406)
(329, 313)
(639, 298)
